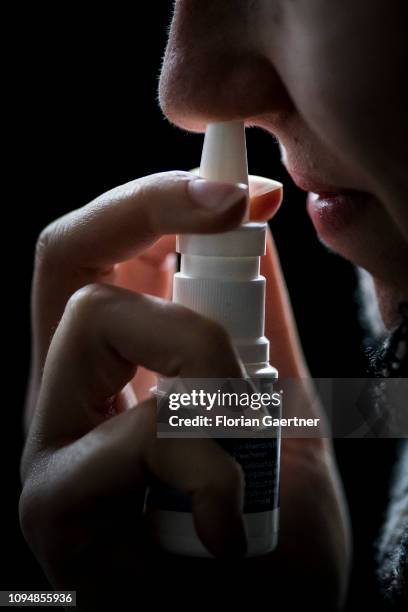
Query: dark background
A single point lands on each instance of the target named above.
(88, 120)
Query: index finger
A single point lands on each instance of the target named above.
(83, 246)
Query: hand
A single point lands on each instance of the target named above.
(91, 451)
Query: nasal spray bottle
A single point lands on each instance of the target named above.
(219, 278)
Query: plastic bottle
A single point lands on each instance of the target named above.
(219, 278)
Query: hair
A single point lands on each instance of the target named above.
(390, 359)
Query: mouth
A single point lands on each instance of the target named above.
(332, 209)
(334, 213)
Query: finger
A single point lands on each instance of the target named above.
(204, 470)
(265, 197)
(83, 246)
(301, 398)
(280, 325)
(86, 243)
(128, 218)
(152, 270)
(123, 454)
(105, 333)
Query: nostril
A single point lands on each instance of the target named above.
(196, 90)
(215, 69)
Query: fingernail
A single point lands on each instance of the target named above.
(216, 195)
(261, 186)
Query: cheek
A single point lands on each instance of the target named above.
(349, 87)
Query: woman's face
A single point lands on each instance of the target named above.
(328, 79)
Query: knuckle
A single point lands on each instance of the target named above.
(50, 249)
(86, 302)
(33, 515)
(45, 244)
(41, 522)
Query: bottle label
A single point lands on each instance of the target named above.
(259, 459)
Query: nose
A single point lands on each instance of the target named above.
(215, 67)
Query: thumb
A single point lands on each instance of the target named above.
(301, 398)
(280, 327)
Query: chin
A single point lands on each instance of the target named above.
(379, 304)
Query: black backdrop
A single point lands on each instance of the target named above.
(88, 120)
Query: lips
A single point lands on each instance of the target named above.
(332, 214)
(332, 209)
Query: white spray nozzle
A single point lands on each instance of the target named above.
(224, 156)
(219, 273)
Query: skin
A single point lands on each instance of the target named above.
(91, 448)
(333, 95)
(91, 451)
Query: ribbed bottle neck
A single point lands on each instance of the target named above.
(222, 268)
(220, 278)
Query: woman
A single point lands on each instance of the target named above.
(315, 75)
